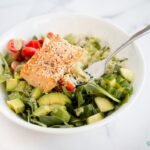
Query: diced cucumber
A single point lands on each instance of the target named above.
(71, 39)
(104, 104)
(61, 113)
(127, 74)
(21, 86)
(94, 118)
(112, 82)
(36, 93)
(16, 105)
(79, 111)
(42, 110)
(11, 84)
(54, 98)
(14, 95)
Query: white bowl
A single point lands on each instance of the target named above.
(76, 24)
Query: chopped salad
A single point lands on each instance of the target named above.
(66, 96)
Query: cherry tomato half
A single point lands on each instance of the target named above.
(28, 52)
(50, 35)
(15, 45)
(41, 41)
(34, 43)
(70, 87)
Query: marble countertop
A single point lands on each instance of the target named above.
(129, 132)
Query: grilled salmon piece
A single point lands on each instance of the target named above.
(50, 63)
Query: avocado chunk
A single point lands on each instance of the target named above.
(21, 86)
(127, 74)
(36, 93)
(45, 109)
(11, 84)
(42, 110)
(103, 104)
(61, 113)
(14, 95)
(56, 110)
(54, 98)
(16, 105)
(94, 118)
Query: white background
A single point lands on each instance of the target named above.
(129, 132)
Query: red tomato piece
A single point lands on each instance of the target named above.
(41, 41)
(50, 35)
(28, 52)
(34, 43)
(70, 87)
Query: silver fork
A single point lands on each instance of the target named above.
(99, 68)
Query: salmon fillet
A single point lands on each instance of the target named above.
(48, 65)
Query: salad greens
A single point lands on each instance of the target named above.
(88, 101)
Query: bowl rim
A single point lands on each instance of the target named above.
(105, 121)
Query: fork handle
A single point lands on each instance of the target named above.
(129, 41)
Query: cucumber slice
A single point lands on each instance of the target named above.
(36, 93)
(127, 74)
(11, 84)
(79, 111)
(104, 104)
(94, 118)
(54, 98)
(16, 105)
